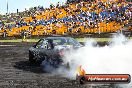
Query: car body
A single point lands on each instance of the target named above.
(51, 50)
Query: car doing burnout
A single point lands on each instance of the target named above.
(51, 50)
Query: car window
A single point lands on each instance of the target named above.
(42, 44)
(39, 43)
(56, 41)
(73, 42)
(59, 41)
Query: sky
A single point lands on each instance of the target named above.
(13, 5)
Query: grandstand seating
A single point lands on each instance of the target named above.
(57, 18)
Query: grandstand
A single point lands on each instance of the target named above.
(75, 17)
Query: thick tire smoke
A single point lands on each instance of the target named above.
(115, 58)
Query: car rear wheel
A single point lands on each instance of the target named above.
(31, 58)
(46, 65)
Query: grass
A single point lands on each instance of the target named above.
(79, 39)
(96, 39)
(20, 40)
(14, 40)
(35, 40)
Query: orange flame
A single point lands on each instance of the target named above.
(81, 71)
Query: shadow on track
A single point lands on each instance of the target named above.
(27, 66)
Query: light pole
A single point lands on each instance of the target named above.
(7, 6)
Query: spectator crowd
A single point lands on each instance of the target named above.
(80, 17)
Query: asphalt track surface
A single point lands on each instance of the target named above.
(17, 72)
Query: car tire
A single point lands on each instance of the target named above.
(46, 65)
(31, 58)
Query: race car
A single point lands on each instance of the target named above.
(51, 50)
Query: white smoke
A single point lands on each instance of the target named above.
(116, 58)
